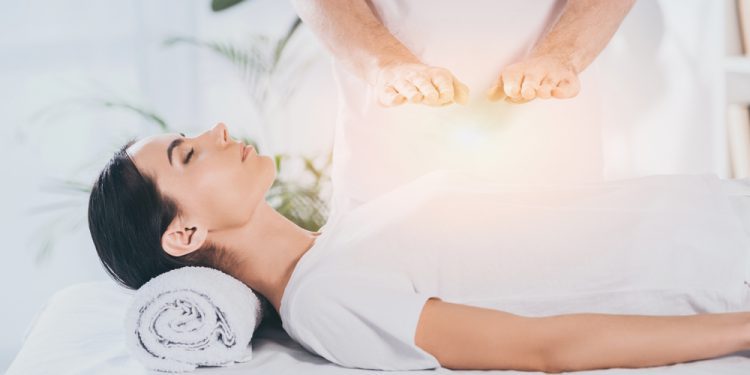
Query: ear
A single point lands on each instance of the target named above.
(180, 239)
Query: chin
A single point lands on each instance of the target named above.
(272, 164)
(270, 175)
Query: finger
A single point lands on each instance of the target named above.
(515, 101)
(545, 89)
(444, 85)
(496, 92)
(407, 90)
(529, 86)
(462, 92)
(389, 97)
(429, 92)
(566, 88)
(512, 84)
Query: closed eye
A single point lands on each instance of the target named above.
(189, 155)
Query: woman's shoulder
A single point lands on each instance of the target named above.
(358, 319)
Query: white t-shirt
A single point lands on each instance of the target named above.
(377, 149)
(653, 245)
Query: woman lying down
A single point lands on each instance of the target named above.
(449, 270)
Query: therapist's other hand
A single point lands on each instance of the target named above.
(418, 83)
(536, 77)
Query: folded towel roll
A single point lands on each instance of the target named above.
(190, 317)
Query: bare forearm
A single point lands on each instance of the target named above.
(583, 30)
(353, 34)
(594, 341)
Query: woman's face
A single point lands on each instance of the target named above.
(206, 175)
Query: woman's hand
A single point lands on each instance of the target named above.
(418, 83)
(536, 77)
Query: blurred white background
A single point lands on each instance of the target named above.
(663, 75)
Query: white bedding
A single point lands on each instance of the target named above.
(79, 332)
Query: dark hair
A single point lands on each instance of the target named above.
(127, 216)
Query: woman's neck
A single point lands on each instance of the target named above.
(267, 248)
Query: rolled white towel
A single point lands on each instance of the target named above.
(190, 317)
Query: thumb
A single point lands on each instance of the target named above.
(496, 92)
(567, 88)
(461, 92)
(389, 97)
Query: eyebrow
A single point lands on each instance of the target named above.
(172, 145)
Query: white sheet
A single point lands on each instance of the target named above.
(79, 332)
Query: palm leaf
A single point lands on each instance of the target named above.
(48, 234)
(55, 206)
(146, 114)
(281, 44)
(59, 185)
(219, 5)
(253, 64)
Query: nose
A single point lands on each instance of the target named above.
(220, 133)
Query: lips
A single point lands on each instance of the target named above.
(246, 151)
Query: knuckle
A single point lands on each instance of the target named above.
(512, 71)
(441, 80)
(438, 70)
(411, 76)
(446, 95)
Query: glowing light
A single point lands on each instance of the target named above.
(469, 136)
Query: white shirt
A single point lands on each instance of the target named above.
(652, 245)
(555, 140)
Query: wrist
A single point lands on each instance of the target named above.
(571, 60)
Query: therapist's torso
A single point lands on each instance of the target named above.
(377, 148)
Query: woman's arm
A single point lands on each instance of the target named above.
(474, 338)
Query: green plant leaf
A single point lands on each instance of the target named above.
(47, 235)
(146, 114)
(219, 5)
(61, 205)
(283, 41)
(61, 185)
(277, 158)
(254, 63)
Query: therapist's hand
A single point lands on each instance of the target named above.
(544, 77)
(399, 83)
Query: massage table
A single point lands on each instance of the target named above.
(79, 331)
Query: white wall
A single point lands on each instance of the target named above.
(664, 90)
(657, 72)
